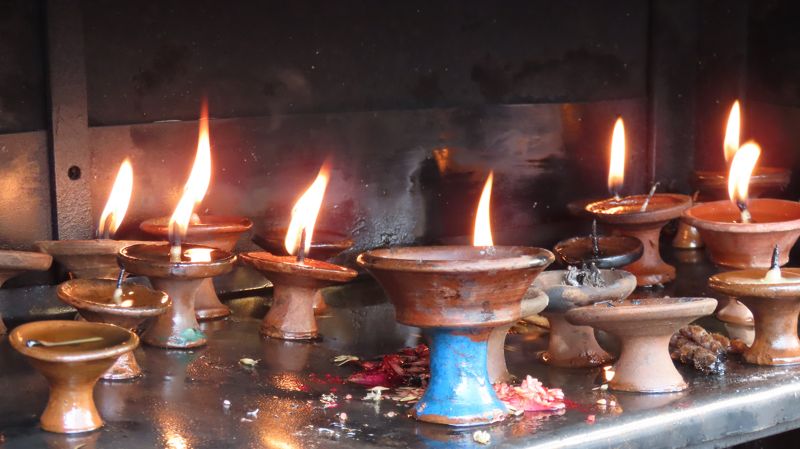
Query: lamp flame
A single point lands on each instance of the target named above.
(118, 201)
(732, 132)
(483, 224)
(616, 167)
(196, 186)
(744, 161)
(304, 213)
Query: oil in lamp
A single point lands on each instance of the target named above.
(71, 355)
(639, 216)
(297, 279)
(178, 268)
(458, 295)
(111, 302)
(208, 230)
(13, 263)
(712, 185)
(644, 327)
(773, 297)
(96, 259)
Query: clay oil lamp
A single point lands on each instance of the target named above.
(221, 232)
(72, 355)
(639, 216)
(533, 302)
(297, 279)
(14, 263)
(773, 296)
(644, 327)
(97, 259)
(603, 251)
(458, 295)
(572, 346)
(713, 185)
(325, 246)
(124, 305)
(741, 232)
(178, 268)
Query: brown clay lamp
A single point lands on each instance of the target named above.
(72, 355)
(458, 295)
(533, 302)
(639, 216)
(13, 263)
(177, 268)
(325, 246)
(740, 232)
(297, 279)
(208, 230)
(573, 346)
(773, 296)
(123, 305)
(97, 259)
(644, 327)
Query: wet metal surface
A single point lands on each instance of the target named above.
(178, 403)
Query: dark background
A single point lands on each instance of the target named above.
(413, 102)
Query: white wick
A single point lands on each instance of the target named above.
(175, 253)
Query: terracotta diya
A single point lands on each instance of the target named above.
(734, 244)
(295, 285)
(773, 296)
(72, 355)
(573, 346)
(629, 216)
(602, 251)
(97, 301)
(644, 327)
(325, 246)
(638, 216)
(532, 303)
(458, 294)
(180, 279)
(97, 259)
(207, 230)
(14, 263)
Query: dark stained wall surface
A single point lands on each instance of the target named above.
(149, 61)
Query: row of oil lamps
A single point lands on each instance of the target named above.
(464, 297)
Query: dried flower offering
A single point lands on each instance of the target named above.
(530, 396)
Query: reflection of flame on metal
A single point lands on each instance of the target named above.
(175, 441)
(483, 221)
(442, 158)
(126, 303)
(289, 382)
(608, 373)
(616, 167)
(118, 200)
(304, 213)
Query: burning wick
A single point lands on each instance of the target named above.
(118, 291)
(175, 250)
(774, 273)
(649, 197)
(51, 344)
(745, 214)
(301, 251)
(595, 240)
